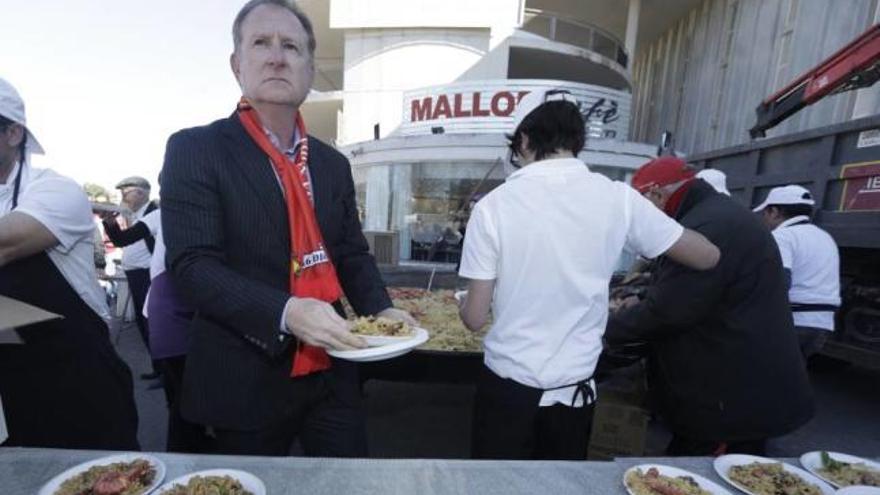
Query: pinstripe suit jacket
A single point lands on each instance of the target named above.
(228, 247)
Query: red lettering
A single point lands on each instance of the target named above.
(420, 109)
(442, 109)
(520, 95)
(508, 107)
(457, 110)
(475, 107)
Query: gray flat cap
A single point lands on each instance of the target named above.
(133, 181)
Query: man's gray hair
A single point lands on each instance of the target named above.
(284, 4)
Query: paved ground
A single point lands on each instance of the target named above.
(433, 421)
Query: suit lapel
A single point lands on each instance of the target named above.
(321, 191)
(255, 168)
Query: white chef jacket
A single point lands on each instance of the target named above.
(550, 237)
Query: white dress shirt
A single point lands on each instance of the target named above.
(63, 208)
(136, 256)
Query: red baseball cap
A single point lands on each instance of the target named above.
(661, 171)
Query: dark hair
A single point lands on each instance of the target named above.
(791, 211)
(552, 126)
(22, 147)
(284, 4)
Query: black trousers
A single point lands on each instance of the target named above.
(183, 436)
(811, 340)
(508, 423)
(689, 447)
(324, 411)
(139, 285)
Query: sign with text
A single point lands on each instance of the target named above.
(487, 106)
(861, 187)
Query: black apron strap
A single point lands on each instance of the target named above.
(583, 388)
(17, 187)
(813, 308)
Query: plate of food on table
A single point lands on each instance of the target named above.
(120, 474)
(657, 479)
(215, 482)
(762, 476)
(842, 470)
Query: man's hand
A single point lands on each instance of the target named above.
(399, 315)
(621, 304)
(316, 323)
(108, 216)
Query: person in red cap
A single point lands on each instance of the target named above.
(722, 342)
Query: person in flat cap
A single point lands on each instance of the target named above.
(540, 250)
(61, 382)
(722, 342)
(811, 262)
(137, 243)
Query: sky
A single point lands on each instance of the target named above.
(105, 83)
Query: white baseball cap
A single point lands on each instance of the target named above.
(787, 195)
(12, 107)
(715, 178)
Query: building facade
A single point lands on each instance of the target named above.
(703, 77)
(418, 93)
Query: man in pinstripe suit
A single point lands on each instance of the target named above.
(227, 230)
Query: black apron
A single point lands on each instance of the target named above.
(65, 387)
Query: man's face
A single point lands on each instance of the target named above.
(657, 196)
(273, 63)
(10, 140)
(771, 217)
(134, 197)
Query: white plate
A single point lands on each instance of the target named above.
(813, 462)
(386, 351)
(248, 481)
(724, 463)
(52, 486)
(859, 490)
(380, 340)
(675, 472)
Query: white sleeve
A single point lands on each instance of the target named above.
(479, 257)
(153, 221)
(651, 232)
(62, 207)
(784, 243)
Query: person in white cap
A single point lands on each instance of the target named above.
(811, 262)
(716, 178)
(63, 385)
(541, 249)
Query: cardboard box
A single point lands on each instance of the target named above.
(620, 420)
(14, 313)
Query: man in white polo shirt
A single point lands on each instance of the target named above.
(63, 385)
(541, 250)
(811, 263)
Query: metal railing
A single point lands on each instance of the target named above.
(566, 29)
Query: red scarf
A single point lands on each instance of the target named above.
(674, 201)
(311, 272)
